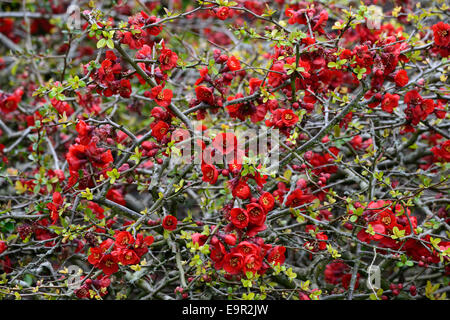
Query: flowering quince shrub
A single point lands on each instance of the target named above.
(95, 108)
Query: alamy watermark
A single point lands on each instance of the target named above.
(73, 17)
(74, 277)
(375, 17)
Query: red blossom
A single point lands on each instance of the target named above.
(441, 33)
(389, 102)
(10, 102)
(3, 246)
(267, 201)
(205, 95)
(222, 13)
(108, 264)
(276, 255)
(239, 218)
(162, 97)
(159, 130)
(167, 58)
(233, 63)
(442, 151)
(256, 214)
(233, 263)
(210, 173)
(241, 190)
(170, 223)
(401, 78)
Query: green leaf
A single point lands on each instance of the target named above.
(110, 43)
(114, 175)
(101, 43)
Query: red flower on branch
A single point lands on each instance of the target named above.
(167, 58)
(442, 151)
(210, 173)
(205, 95)
(170, 223)
(222, 13)
(239, 218)
(162, 97)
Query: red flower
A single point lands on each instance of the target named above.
(218, 254)
(338, 272)
(401, 78)
(170, 223)
(303, 65)
(289, 118)
(379, 230)
(205, 95)
(230, 239)
(10, 102)
(128, 257)
(418, 108)
(276, 78)
(124, 89)
(79, 155)
(203, 76)
(109, 264)
(96, 256)
(267, 201)
(233, 63)
(443, 151)
(116, 196)
(144, 53)
(222, 13)
(239, 218)
(106, 73)
(335, 271)
(61, 107)
(134, 40)
(210, 173)
(256, 214)
(55, 206)
(322, 21)
(159, 130)
(246, 248)
(389, 102)
(84, 132)
(413, 98)
(441, 32)
(244, 110)
(233, 263)
(254, 84)
(322, 244)
(106, 245)
(162, 97)
(295, 16)
(199, 238)
(3, 246)
(303, 296)
(124, 239)
(148, 240)
(241, 190)
(297, 198)
(276, 255)
(252, 263)
(168, 59)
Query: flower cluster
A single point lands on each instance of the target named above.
(388, 223)
(124, 249)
